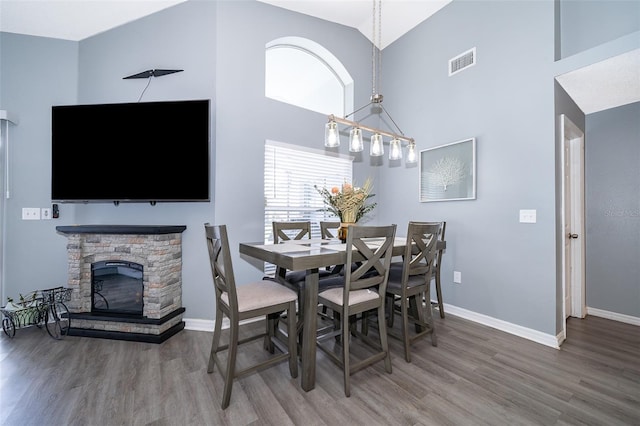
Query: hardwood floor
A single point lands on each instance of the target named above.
(475, 376)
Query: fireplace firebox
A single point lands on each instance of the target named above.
(117, 287)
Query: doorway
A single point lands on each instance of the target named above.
(573, 224)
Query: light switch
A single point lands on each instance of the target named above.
(527, 216)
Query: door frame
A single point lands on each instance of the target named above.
(573, 138)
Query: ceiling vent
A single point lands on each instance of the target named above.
(462, 61)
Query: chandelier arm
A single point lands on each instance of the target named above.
(359, 109)
(392, 120)
(370, 129)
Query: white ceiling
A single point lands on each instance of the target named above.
(601, 86)
(73, 19)
(607, 84)
(394, 17)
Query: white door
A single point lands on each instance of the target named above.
(573, 220)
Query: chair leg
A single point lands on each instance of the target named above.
(293, 343)
(270, 332)
(217, 330)
(404, 309)
(439, 294)
(390, 310)
(416, 312)
(231, 363)
(346, 366)
(384, 342)
(429, 320)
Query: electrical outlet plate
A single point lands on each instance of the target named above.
(457, 277)
(527, 216)
(45, 213)
(29, 213)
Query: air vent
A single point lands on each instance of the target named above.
(462, 61)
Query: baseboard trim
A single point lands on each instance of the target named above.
(507, 327)
(195, 324)
(628, 319)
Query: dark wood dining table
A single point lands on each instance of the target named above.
(309, 255)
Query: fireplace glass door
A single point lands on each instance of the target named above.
(117, 288)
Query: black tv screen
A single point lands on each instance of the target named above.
(130, 152)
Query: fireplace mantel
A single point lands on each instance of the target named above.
(122, 229)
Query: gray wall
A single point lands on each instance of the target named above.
(612, 186)
(181, 37)
(585, 24)
(36, 73)
(220, 46)
(506, 101)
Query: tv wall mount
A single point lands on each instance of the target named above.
(151, 73)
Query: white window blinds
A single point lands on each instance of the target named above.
(290, 173)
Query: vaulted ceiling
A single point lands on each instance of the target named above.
(601, 86)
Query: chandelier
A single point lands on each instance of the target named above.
(356, 141)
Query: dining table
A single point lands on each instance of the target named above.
(310, 255)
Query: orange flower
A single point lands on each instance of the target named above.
(335, 190)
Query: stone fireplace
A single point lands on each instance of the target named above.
(158, 252)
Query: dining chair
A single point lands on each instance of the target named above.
(238, 303)
(326, 229)
(361, 291)
(436, 269)
(410, 284)
(285, 231)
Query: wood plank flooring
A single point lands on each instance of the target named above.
(475, 376)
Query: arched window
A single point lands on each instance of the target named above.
(300, 72)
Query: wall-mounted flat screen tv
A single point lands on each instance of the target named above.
(130, 152)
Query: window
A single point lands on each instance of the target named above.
(300, 72)
(290, 173)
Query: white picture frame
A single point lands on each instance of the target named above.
(448, 172)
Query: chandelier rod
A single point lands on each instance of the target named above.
(351, 123)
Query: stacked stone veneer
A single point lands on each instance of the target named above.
(161, 258)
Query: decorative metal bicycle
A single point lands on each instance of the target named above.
(39, 308)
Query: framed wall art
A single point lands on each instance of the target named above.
(448, 172)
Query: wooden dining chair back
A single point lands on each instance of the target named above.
(326, 230)
(371, 247)
(435, 276)
(410, 282)
(238, 303)
(285, 231)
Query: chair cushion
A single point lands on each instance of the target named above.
(395, 279)
(336, 281)
(260, 294)
(334, 295)
(295, 277)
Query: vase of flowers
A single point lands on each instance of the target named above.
(348, 203)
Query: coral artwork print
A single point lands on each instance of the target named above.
(448, 171)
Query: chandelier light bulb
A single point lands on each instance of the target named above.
(412, 155)
(377, 147)
(395, 149)
(331, 136)
(355, 140)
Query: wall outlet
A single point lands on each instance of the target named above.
(527, 216)
(457, 277)
(29, 213)
(45, 214)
